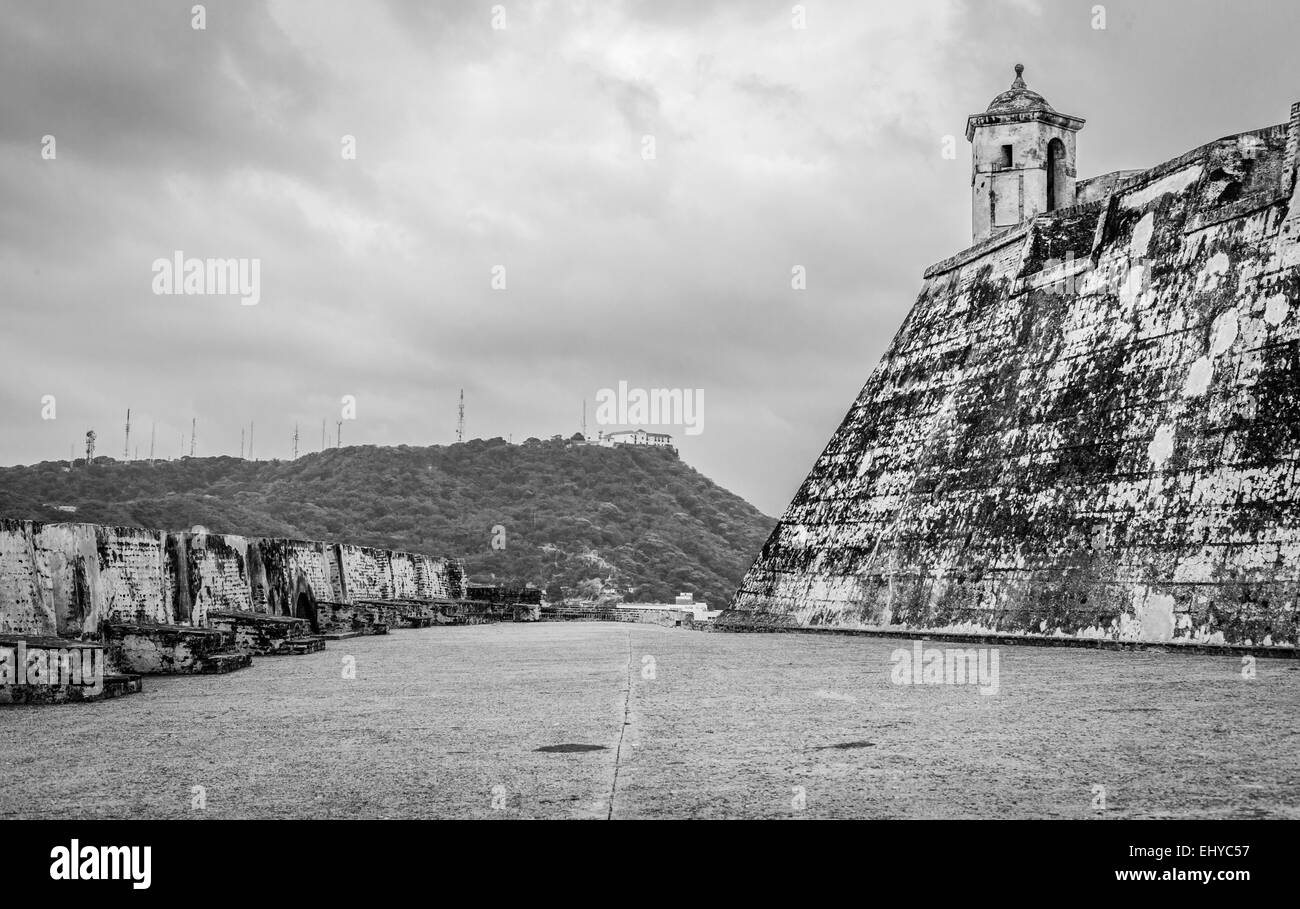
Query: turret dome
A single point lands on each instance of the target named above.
(1019, 97)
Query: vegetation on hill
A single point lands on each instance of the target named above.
(595, 521)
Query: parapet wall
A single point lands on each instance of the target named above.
(207, 572)
(382, 574)
(1088, 427)
(66, 579)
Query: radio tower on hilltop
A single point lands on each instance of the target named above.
(460, 422)
(126, 446)
(194, 428)
(295, 441)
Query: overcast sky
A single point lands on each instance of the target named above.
(522, 147)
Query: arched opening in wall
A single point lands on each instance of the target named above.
(304, 606)
(1056, 177)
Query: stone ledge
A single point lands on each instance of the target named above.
(1030, 640)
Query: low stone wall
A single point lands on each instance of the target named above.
(665, 617)
(350, 618)
(44, 670)
(262, 634)
(151, 649)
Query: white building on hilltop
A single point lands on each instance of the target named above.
(636, 437)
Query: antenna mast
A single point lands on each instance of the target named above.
(194, 427)
(295, 441)
(153, 430)
(126, 446)
(338, 435)
(460, 423)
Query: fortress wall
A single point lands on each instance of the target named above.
(405, 573)
(98, 573)
(367, 572)
(380, 574)
(206, 572)
(1292, 150)
(26, 604)
(284, 569)
(430, 580)
(434, 579)
(67, 578)
(457, 579)
(1107, 455)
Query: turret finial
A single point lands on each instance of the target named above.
(1020, 72)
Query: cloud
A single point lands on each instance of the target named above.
(522, 147)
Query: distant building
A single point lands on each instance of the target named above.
(637, 437)
(685, 602)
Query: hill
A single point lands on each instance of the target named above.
(633, 520)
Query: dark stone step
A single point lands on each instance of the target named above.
(116, 686)
(226, 661)
(312, 644)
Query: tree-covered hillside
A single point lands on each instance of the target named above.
(633, 519)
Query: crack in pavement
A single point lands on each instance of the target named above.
(627, 707)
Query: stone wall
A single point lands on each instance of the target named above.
(67, 579)
(669, 618)
(64, 579)
(367, 572)
(382, 574)
(1292, 149)
(207, 572)
(1104, 448)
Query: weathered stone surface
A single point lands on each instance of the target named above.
(65, 579)
(360, 617)
(260, 634)
(69, 579)
(1102, 446)
(380, 574)
(37, 669)
(152, 649)
(207, 572)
